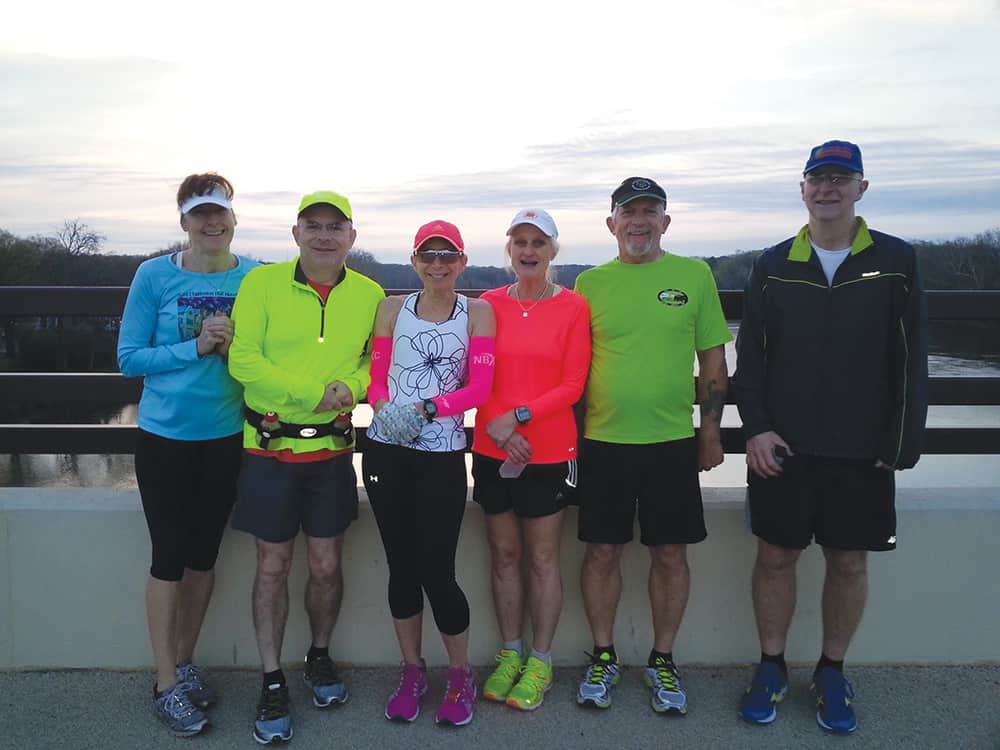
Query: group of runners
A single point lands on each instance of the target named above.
(252, 371)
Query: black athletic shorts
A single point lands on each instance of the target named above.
(540, 490)
(846, 504)
(661, 479)
(277, 498)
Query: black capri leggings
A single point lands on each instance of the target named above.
(418, 498)
(188, 488)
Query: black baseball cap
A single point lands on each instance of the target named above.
(637, 187)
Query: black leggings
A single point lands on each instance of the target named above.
(418, 498)
(188, 488)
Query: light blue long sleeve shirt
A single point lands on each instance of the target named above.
(184, 396)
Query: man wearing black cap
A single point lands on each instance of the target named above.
(652, 314)
(831, 383)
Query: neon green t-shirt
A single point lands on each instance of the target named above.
(647, 322)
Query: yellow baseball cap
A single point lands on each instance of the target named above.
(328, 197)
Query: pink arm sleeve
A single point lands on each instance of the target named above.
(477, 390)
(381, 357)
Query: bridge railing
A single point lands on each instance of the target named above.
(27, 389)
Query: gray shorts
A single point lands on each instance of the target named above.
(276, 499)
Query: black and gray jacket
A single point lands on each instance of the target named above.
(841, 370)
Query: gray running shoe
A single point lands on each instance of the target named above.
(176, 710)
(665, 682)
(190, 677)
(595, 688)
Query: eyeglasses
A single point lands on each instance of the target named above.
(445, 256)
(315, 227)
(837, 180)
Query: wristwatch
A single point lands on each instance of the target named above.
(522, 414)
(430, 410)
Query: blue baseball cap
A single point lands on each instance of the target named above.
(835, 154)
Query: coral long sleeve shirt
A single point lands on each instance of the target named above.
(542, 361)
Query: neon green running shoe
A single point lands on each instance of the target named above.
(498, 684)
(529, 692)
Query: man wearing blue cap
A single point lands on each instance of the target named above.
(831, 383)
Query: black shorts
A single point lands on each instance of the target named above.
(540, 490)
(846, 504)
(279, 498)
(660, 478)
(188, 488)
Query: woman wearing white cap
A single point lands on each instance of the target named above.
(524, 452)
(175, 334)
(432, 359)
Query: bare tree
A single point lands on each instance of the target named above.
(77, 238)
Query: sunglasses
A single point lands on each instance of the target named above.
(445, 256)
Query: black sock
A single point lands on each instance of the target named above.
(778, 659)
(315, 652)
(655, 655)
(275, 677)
(825, 661)
(609, 650)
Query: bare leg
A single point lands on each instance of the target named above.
(845, 590)
(409, 633)
(774, 594)
(161, 617)
(195, 595)
(457, 647)
(503, 531)
(325, 587)
(270, 599)
(669, 587)
(601, 583)
(545, 593)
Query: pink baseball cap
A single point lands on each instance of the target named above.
(439, 228)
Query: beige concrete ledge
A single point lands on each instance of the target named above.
(73, 564)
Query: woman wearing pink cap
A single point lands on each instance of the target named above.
(524, 452)
(432, 359)
(175, 334)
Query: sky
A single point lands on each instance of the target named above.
(471, 111)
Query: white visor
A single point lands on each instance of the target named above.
(216, 195)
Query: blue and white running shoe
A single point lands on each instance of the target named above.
(834, 697)
(767, 689)
(321, 676)
(274, 722)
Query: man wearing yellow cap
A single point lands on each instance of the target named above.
(300, 350)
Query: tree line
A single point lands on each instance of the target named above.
(73, 256)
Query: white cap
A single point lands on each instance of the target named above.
(537, 218)
(216, 195)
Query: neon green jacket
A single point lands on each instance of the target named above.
(289, 345)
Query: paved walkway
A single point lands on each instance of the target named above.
(916, 708)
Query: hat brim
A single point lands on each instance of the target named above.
(834, 163)
(200, 200)
(537, 225)
(631, 198)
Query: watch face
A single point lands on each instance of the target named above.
(522, 414)
(430, 409)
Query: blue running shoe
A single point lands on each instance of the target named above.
(834, 696)
(321, 676)
(274, 722)
(190, 677)
(665, 682)
(767, 689)
(602, 674)
(175, 709)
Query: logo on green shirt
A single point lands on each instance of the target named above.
(672, 297)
